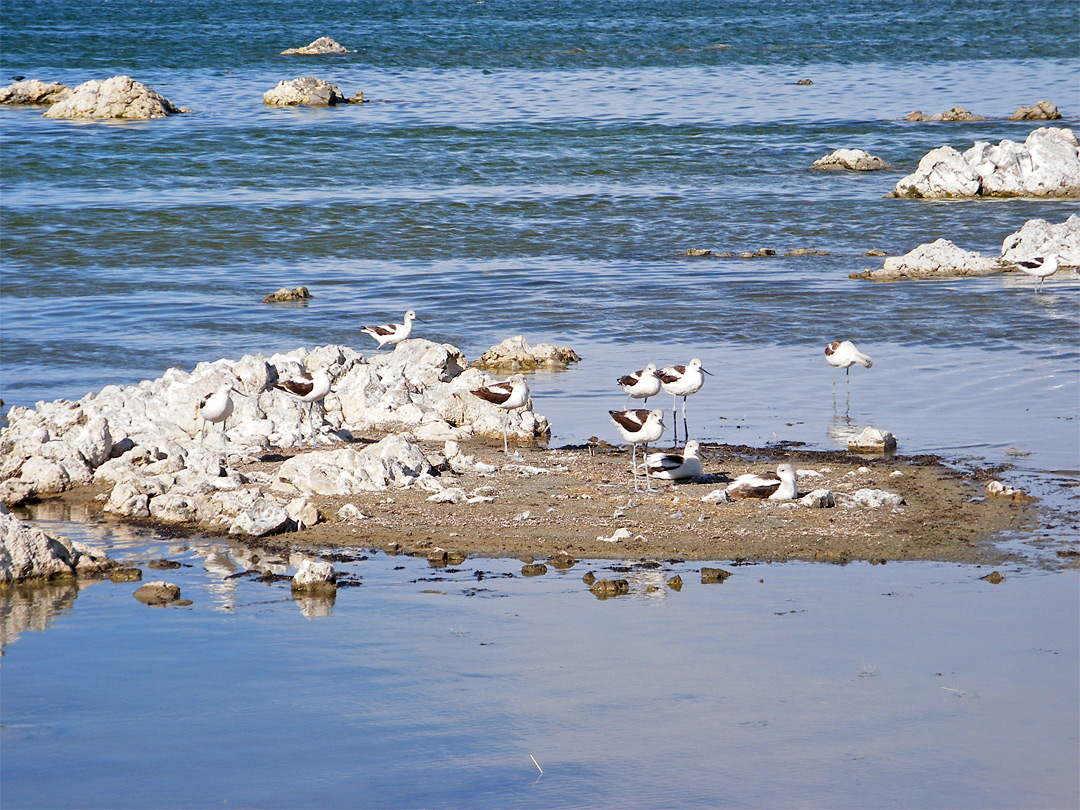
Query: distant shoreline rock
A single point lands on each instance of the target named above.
(956, 114)
(307, 91)
(118, 97)
(320, 47)
(1043, 111)
(855, 160)
(515, 354)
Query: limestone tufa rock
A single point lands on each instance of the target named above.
(320, 47)
(118, 97)
(940, 258)
(872, 440)
(158, 593)
(28, 553)
(304, 91)
(263, 517)
(515, 354)
(315, 576)
(285, 294)
(818, 499)
(956, 114)
(873, 499)
(856, 160)
(1039, 238)
(32, 91)
(1043, 111)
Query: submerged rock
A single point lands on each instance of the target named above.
(34, 92)
(304, 91)
(285, 294)
(954, 115)
(1046, 164)
(605, 588)
(515, 354)
(158, 594)
(856, 160)
(118, 97)
(321, 46)
(937, 259)
(714, 575)
(28, 553)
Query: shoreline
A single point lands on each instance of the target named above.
(546, 502)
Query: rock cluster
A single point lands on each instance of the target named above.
(1046, 164)
(515, 354)
(285, 294)
(1043, 111)
(954, 115)
(34, 92)
(305, 91)
(143, 442)
(855, 160)
(28, 553)
(1038, 238)
(118, 97)
(321, 46)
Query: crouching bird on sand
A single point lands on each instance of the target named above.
(778, 487)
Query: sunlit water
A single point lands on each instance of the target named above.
(541, 169)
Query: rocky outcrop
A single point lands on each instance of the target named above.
(118, 97)
(515, 354)
(34, 92)
(956, 114)
(321, 46)
(937, 259)
(304, 91)
(285, 294)
(27, 553)
(855, 160)
(1043, 111)
(1040, 238)
(1047, 164)
(872, 440)
(315, 576)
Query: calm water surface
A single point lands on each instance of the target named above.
(541, 169)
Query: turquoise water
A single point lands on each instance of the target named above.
(541, 169)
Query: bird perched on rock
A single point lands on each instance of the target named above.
(639, 427)
(1040, 267)
(843, 354)
(675, 466)
(216, 407)
(682, 381)
(513, 393)
(640, 384)
(306, 388)
(392, 333)
(778, 487)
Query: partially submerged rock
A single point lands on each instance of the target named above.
(118, 97)
(315, 576)
(1046, 164)
(320, 47)
(515, 354)
(285, 294)
(158, 594)
(956, 114)
(698, 252)
(714, 575)
(27, 553)
(855, 160)
(872, 440)
(996, 489)
(34, 92)
(1038, 237)
(937, 259)
(606, 588)
(304, 91)
(1043, 111)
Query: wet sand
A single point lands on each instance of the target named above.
(587, 493)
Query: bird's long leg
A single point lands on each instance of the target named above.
(627, 405)
(202, 433)
(224, 442)
(686, 433)
(299, 421)
(648, 483)
(674, 417)
(311, 424)
(506, 423)
(633, 466)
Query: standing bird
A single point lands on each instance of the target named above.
(392, 333)
(682, 381)
(1040, 267)
(675, 466)
(513, 393)
(843, 354)
(217, 407)
(310, 389)
(640, 384)
(778, 487)
(640, 427)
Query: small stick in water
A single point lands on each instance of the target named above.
(537, 764)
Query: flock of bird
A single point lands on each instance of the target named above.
(635, 425)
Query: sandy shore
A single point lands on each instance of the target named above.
(587, 493)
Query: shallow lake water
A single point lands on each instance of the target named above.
(899, 685)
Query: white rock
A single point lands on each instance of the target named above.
(174, 508)
(874, 498)
(1038, 237)
(303, 512)
(261, 518)
(515, 354)
(942, 172)
(872, 440)
(350, 513)
(33, 91)
(26, 552)
(818, 499)
(808, 474)
(856, 160)
(393, 461)
(118, 97)
(314, 575)
(716, 496)
(939, 258)
(306, 91)
(449, 495)
(620, 534)
(323, 45)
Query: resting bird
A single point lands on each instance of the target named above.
(216, 407)
(778, 487)
(310, 389)
(513, 393)
(392, 333)
(682, 381)
(675, 466)
(640, 384)
(1040, 267)
(639, 427)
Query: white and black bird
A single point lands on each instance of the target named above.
(639, 427)
(640, 384)
(216, 407)
(780, 486)
(843, 354)
(309, 389)
(1039, 267)
(513, 393)
(676, 466)
(392, 333)
(682, 381)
